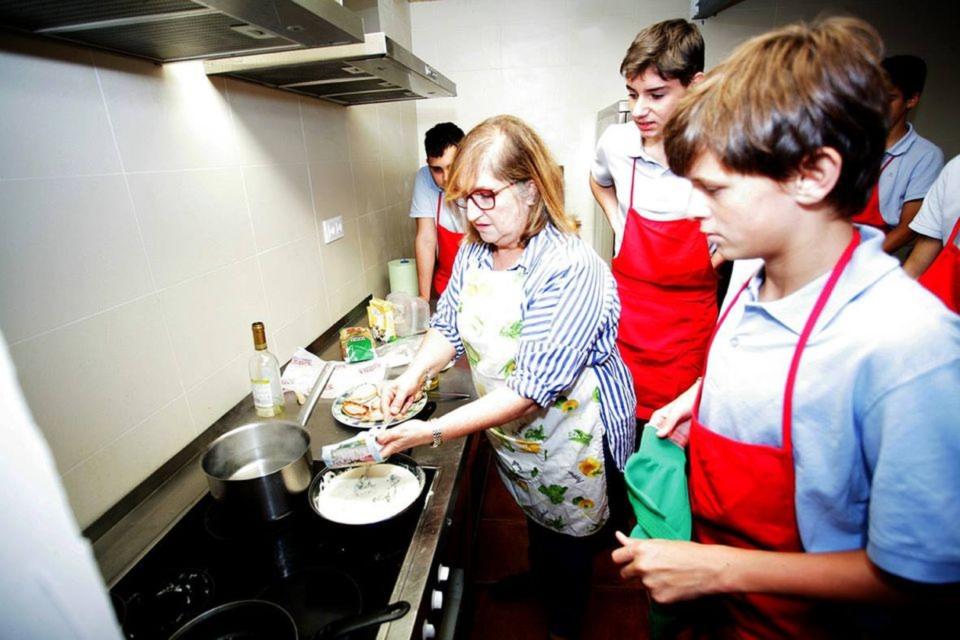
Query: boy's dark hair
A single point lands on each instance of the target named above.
(441, 136)
(784, 95)
(673, 48)
(907, 73)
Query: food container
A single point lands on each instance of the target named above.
(381, 317)
(411, 313)
(356, 344)
(362, 448)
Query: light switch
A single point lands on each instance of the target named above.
(332, 229)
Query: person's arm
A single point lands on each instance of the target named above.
(922, 255)
(425, 248)
(674, 413)
(674, 570)
(902, 233)
(606, 197)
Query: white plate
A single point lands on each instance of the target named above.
(337, 410)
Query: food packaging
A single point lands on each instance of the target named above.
(362, 448)
(411, 313)
(381, 317)
(356, 344)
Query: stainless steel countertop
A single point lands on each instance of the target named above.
(132, 536)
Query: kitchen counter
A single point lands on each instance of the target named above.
(126, 533)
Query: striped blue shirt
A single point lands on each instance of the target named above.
(570, 314)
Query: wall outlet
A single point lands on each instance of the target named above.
(332, 229)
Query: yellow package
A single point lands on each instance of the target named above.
(381, 316)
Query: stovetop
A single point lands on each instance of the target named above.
(317, 570)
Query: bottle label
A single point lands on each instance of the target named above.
(262, 394)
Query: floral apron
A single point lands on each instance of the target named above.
(551, 461)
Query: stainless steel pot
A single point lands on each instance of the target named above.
(259, 471)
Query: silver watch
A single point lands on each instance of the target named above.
(437, 436)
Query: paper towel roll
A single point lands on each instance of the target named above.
(403, 276)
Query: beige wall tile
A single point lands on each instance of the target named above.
(216, 394)
(39, 136)
(302, 331)
(363, 129)
(342, 260)
(68, 248)
(325, 131)
(98, 482)
(368, 182)
(89, 382)
(267, 124)
(209, 318)
(334, 193)
(280, 204)
(293, 279)
(373, 238)
(192, 221)
(346, 296)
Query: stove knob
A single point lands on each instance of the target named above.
(429, 631)
(443, 572)
(436, 600)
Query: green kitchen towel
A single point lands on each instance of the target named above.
(657, 488)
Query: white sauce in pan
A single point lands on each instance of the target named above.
(366, 494)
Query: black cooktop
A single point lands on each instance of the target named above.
(317, 570)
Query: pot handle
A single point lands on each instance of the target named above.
(307, 409)
(343, 626)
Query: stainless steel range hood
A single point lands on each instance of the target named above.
(168, 30)
(378, 70)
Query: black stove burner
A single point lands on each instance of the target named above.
(319, 571)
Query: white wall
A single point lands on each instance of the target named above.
(148, 215)
(555, 62)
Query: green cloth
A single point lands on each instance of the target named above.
(656, 478)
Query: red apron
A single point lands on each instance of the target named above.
(448, 243)
(742, 495)
(943, 276)
(668, 297)
(871, 213)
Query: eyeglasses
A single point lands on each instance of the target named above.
(485, 199)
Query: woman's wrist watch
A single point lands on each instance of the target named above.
(437, 434)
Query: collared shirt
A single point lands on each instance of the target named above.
(941, 208)
(658, 193)
(424, 202)
(915, 165)
(570, 316)
(876, 418)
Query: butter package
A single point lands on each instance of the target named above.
(356, 344)
(382, 318)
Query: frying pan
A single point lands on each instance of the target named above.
(322, 482)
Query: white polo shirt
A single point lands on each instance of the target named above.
(424, 202)
(941, 208)
(914, 163)
(658, 193)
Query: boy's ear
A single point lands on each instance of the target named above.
(912, 101)
(697, 77)
(816, 177)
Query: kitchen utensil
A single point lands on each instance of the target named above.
(258, 470)
(351, 421)
(443, 396)
(370, 489)
(240, 620)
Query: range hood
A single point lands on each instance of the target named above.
(169, 30)
(377, 70)
(703, 9)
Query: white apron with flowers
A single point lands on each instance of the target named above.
(551, 461)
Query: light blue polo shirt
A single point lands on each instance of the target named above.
(876, 422)
(424, 202)
(916, 164)
(941, 207)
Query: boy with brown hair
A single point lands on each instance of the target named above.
(665, 277)
(824, 434)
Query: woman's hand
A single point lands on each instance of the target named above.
(672, 570)
(668, 417)
(397, 395)
(412, 433)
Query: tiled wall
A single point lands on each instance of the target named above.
(555, 62)
(148, 215)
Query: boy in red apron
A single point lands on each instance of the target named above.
(665, 278)
(935, 259)
(824, 433)
(910, 162)
(439, 229)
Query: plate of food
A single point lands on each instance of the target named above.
(360, 407)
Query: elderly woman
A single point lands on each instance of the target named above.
(535, 310)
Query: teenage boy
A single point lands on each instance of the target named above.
(824, 439)
(935, 259)
(910, 163)
(439, 228)
(662, 264)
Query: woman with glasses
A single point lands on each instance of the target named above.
(535, 310)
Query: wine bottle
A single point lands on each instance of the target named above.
(265, 376)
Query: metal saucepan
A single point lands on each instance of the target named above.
(381, 504)
(240, 620)
(260, 470)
